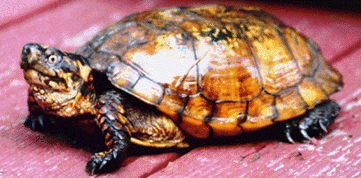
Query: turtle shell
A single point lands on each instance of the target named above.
(214, 69)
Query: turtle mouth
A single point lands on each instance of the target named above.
(50, 100)
(43, 81)
(43, 97)
(50, 92)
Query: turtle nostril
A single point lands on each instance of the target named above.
(30, 48)
(26, 51)
(27, 55)
(31, 52)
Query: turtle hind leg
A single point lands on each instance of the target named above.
(117, 138)
(312, 124)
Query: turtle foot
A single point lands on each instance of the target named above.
(38, 123)
(312, 124)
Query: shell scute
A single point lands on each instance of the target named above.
(289, 103)
(214, 69)
(228, 72)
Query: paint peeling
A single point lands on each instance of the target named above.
(297, 173)
(279, 167)
(80, 38)
(342, 158)
(321, 172)
(5, 74)
(357, 174)
(54, 167)
(346, 139)
(116, 16)
(357, 140)
(334, 152)
(203, 159)
(331, 172)
(348, 97)
(290, 170)
(272, 163)
(347, 147)
(306, 147)
(319, 148)
(338, 132)
(16, 82)
(353, 104)
(356, 162)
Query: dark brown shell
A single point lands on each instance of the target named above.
(214, 69)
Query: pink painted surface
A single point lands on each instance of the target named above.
(16, 11)
(68, 24)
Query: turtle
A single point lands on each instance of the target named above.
(158, 77)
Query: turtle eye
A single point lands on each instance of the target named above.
(52, 59)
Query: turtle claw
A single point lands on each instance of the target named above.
(322, 126)
(305, 134)
(35, 122)
(41, 121)
(287, 131)
(99, 161)
(289, 138)
(312, 124)
(95, 164)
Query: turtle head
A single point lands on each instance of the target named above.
(58, 80)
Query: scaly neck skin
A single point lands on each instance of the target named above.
(84, 101)
(81, 104)
(81, 101)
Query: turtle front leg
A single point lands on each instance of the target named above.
(37, 120)
(314, 123)
(117, 138)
